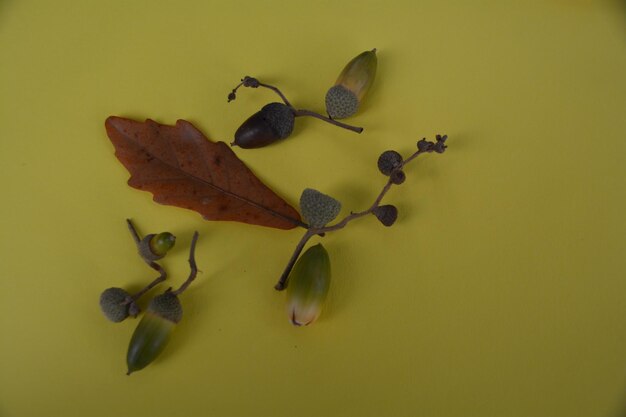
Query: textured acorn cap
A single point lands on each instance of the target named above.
(387, 214)
(280, 118)
(341, 102)
(388, 161)
(113, 303)
(318, 209)
(167, 306)
(145, 249)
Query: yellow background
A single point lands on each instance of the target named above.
(500, 291)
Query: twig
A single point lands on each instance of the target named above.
(192, 265)
(423, 147)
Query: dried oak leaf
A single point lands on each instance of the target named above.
(181, 167)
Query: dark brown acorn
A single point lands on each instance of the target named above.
(272, 123)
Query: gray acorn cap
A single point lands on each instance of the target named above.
(113, 303)
(341, 102)
(318, 209)
(280, 118)
(167, 306)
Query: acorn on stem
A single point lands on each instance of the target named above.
(153, 331)
(309, 282)
(343, 99)
(156, 326)
(155, 246)
(275, 121)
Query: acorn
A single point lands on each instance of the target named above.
(318, 209)
(309, 282)
(117, 304)
(272, 123)
(153, 331)
(155, 246)
(343, 99)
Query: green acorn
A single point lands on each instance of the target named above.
(272, 123)
(117, 304)
(155, 246)
(309, 282)
(318, 209)
(153, 331)
(343, 99)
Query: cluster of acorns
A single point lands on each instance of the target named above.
(309, 273)
(164, 310)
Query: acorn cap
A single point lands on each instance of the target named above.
(166, 306)
(341, 102)
(386, 214)
(388, 161)
(280, 118)
(318, 209)
(115, 303)
(145, 249)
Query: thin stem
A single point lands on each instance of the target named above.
(283, 281)
(303, 112)
(162, 274)
(277, 91)
(254, 83)
(192, 266)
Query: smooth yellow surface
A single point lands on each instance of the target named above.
(500, 292)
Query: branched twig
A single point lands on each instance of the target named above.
(192, 265)
(254, 83)
(423, 147)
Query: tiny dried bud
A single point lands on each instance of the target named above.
(388, 161)
(397, 176)
(318, 209)
(440, 146)
(387, 214)
(424, 145)
(250, 82)
(232, 96)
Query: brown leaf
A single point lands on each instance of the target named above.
(181, 167)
